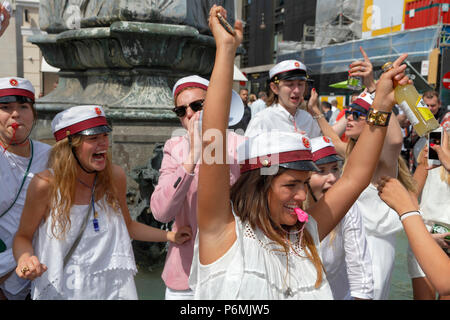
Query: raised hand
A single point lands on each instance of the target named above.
(363, 69)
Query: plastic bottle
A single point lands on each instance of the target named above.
(410, 101)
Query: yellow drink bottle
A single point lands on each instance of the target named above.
(410, 101)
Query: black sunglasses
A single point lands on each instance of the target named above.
(355, 113)
(196, 105)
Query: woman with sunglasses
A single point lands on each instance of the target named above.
(175, 196)
(254, 241)
(20, 158)
(380, 221)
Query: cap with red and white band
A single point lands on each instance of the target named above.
(188, 82)
(363, 102)
(85, 120)
(288, 70)
(323, 150)
(236, 107)
(290, 150)
(15, 86)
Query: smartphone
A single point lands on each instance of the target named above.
(225, 24)
(436, 138)
(309, 87)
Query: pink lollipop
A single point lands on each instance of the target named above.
(15, 125)
(302, 216)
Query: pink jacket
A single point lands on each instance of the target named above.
(175, 197)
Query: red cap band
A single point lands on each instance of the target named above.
(17, 92)
(274, 159)
(324, 152)
(80, 126)
(189, 84)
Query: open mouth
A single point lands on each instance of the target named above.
(291, 207)
(99, 156)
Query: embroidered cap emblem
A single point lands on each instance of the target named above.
(13, 82)
(98, 111)
(326, 139)
(306, 142)
(297, 64)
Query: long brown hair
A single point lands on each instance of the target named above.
(249, 197)
(63, 184)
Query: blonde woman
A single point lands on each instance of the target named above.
(77, 214)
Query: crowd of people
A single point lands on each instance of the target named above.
(290, 202)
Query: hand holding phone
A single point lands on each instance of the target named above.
(225, 24)
(434, 137)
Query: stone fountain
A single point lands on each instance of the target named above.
(125, 55)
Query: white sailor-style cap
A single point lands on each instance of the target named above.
(14, 89)
(288, 70)
(85, 120)
(323, 150)
(236, 107)
(363, 102)
(289, 150)
(188, 82)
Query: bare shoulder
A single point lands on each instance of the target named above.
(118, 174)
(41, 182)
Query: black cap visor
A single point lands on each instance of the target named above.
(329, 159)
(356, 107)
(19, 99)
(291, 75)
(95, 130)
(303, 165)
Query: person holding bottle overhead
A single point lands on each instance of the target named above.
(254, 241)
(380, 221)
(20, 159)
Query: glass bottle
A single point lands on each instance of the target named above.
(412, 104)
(354, 83)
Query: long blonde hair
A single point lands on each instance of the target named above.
(63, 184)
(249, 197)
(404, 175)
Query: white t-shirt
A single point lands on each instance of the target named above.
(255, 268)
(12, 171)
(276, 117)
(346, 258)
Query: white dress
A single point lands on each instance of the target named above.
(12, 171)
(276, 117)
(381, 226)
(435, 206)
(255, 269)
(101, 267)
(346, 258)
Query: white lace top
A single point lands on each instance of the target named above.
(256, 268)
(101, 267)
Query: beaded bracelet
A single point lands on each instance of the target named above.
(318, 116)
(409, 213)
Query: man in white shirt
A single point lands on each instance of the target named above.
(259, 104)
(287, 89)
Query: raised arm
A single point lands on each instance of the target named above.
(363, 160)
(325, 127)
(215, 219)
(432, 259)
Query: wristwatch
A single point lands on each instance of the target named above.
(378, 118)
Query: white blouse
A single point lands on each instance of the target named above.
(101, 267)
(255, 268)
(346, 258)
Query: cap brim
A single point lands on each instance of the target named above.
(358, 108)
(15, 98)
(95, 130)
(328, 159)
(293, 78)
(303, 165)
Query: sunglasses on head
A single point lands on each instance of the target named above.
(355, 113)
(196, 105)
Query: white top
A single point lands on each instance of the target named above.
(257, 106)
(435, 200)
(12, 170)
(101, 267)
(254, 268)
(276, 117)
(346, 258)
(379, 219)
